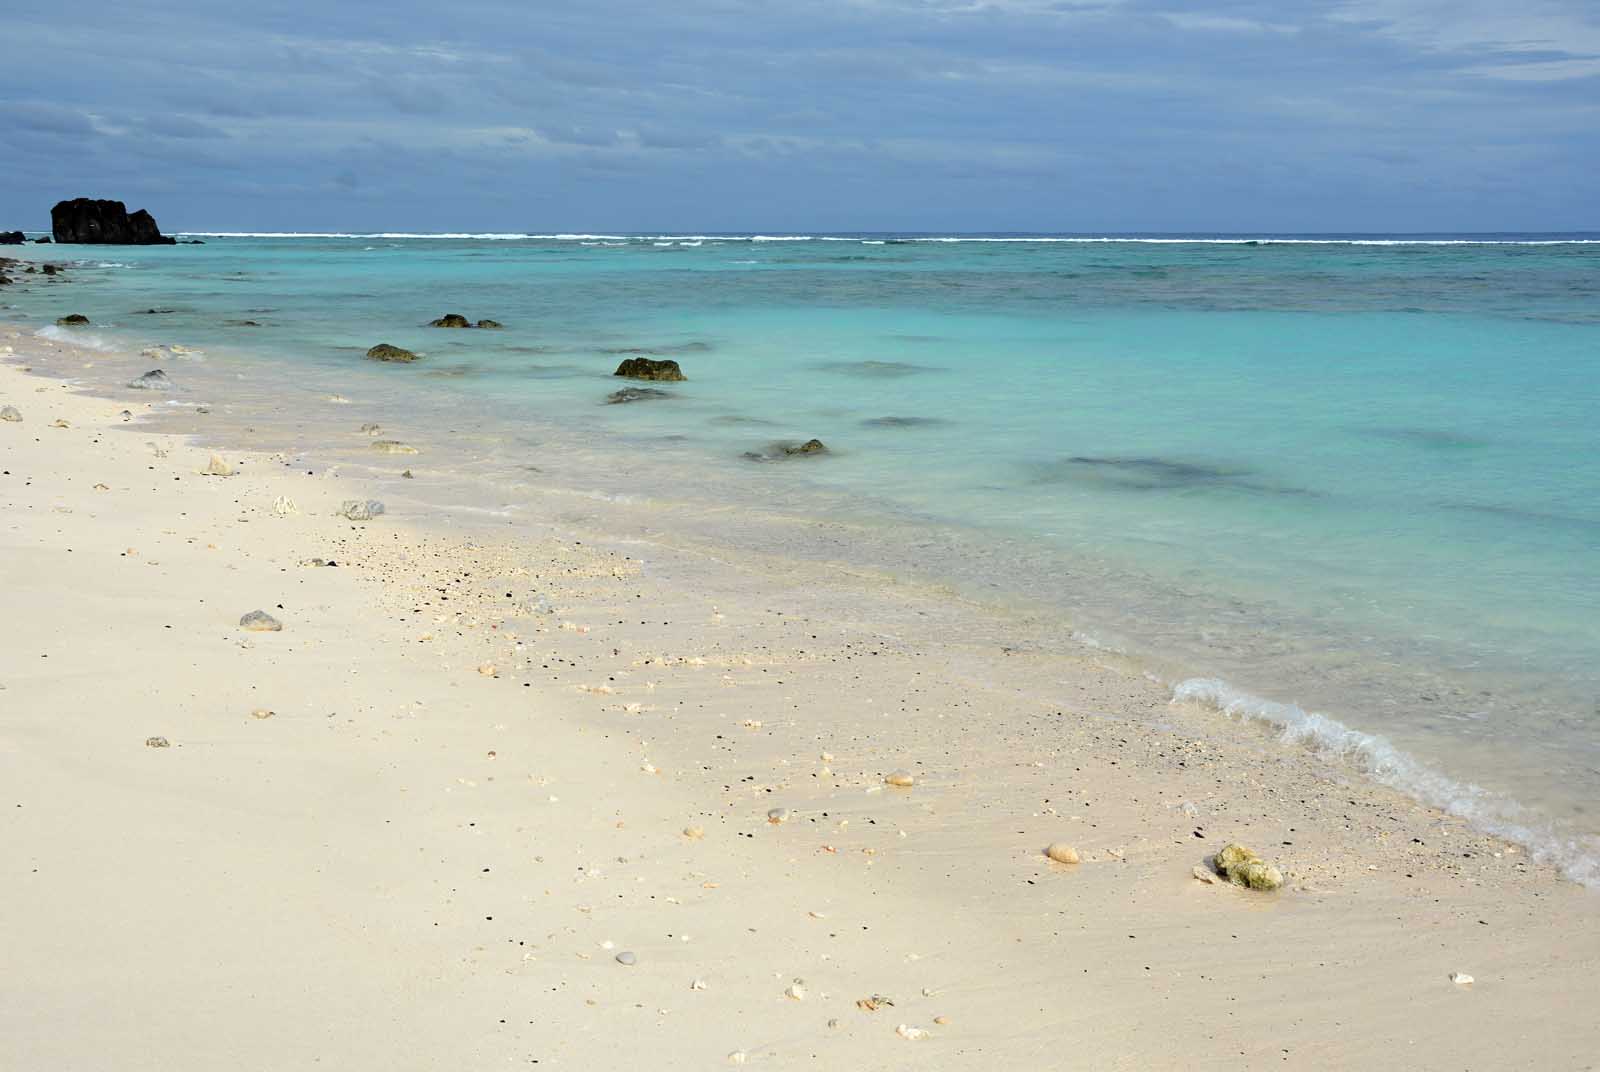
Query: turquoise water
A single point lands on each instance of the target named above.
(1361, 476)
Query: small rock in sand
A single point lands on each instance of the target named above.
(737, 1057)
(1061, 852)
(217, 467)
(900, 778)
(393, 446)
(627, 959)
(910, 1034)
(157, 742)
(10, 413)
(1461, 978)
(1243, 867)
(778, 815)
(1206, 875)
(795, 991)
(259, 621)
(261, 712)
(284, 506)
(694, 833)
(357, 510)
(488, 670)
(59, 423)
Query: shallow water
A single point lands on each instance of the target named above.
(1361, 476)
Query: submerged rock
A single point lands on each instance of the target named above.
(72, 320)
(775, 451)
(810, 446)
(450, 320)
(259, 621)
(645, 368)
(12, 238)
(154, 380)
(636, 394)
(490, 324)
(384, 352)
(359, 510)
(1242, 867)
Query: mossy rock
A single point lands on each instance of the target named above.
(1242, 867)
(451, 320)
(384, 352)
(490, 324)
(72, 320)
(645, 368)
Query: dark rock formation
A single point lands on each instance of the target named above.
(450, 320)
(154, 380)
(644, 368)
(11, 238)
(72, 320)
(636, 394)
(45, 241)
(50, 269)
(490, 324)
(105, 223)
(776, 451)
(810, 446)
(384, 352)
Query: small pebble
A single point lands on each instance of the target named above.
(1061, 852)
(488, 670)
(910, 1034)
(694, 833)
(795, 991)
(778, 815)
(261, 712)
(627, 958)
(157, 742)
(259, 621)
(900, 778)
(1461, 978)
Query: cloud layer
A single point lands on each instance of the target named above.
(1061, 115)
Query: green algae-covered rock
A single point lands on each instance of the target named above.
(1244, 868)
(384, 352)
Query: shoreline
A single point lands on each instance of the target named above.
(484, 833)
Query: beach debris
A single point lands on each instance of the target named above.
(697, 984)
(1061, 852)
(777, 816)
(1243, 867)
(384, 352)
(338, 400)
(911, 1034)
(737, 1057)
(102, 487)
(900, 778)
(259, 621)
(59, 423)
(393, 446)
(157, 742)
(1461, 978)
(941, 1020)
(694, 833)
(72, 320)
(262, 712)
(1206, 875)
(873, 1003)
(359, 510)
(407, 475)
(795, 991)
(627, 959)
(217, 467)
(646, 368)
(10, 413)
(488, 670)
(371, 429)
(154, 380)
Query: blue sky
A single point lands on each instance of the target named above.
(1055, 115)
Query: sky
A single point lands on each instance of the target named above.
(807, 115)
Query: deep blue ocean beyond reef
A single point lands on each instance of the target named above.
(1355, 475)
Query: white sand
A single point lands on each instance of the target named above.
(415, 865)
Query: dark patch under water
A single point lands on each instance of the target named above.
(695, 347)
(902, 422)
(1157, 474)
(1431, 438)
(882, 370)
(738, 419)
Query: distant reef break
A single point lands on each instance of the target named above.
(86, 220)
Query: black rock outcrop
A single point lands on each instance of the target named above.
(11, 238)
(643, 368)
(105, 223)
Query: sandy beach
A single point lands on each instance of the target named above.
(527, 795)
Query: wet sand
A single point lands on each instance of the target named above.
(499, 757)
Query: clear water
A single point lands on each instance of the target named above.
(1362, 475)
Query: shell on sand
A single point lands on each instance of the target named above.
(1061, 852)
(488, 670)
(694, 833)
(1461, 978)
(795, 991)
(909, 1033)
(284, 506)
(157, 742)
(259, 621)
(900, 778)
(778, 815)
(217, 467)
(627, 959)
(261, 712)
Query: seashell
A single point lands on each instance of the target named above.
(698, 984)
(900, 778)
(261, 712)
(487, 670)
(217, 467)
(1061, 852)
(157, 742)
(873, 1004)
(826, 757)
(778, 815)
(694, 833)
(284, 506)
(627, 959)
(1461, 978)
(941, 1020)
(910, 1034)
(737, 1057)
(795, 991)
(648, 768)
(59, 423)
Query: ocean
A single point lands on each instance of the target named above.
(1348, 485)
